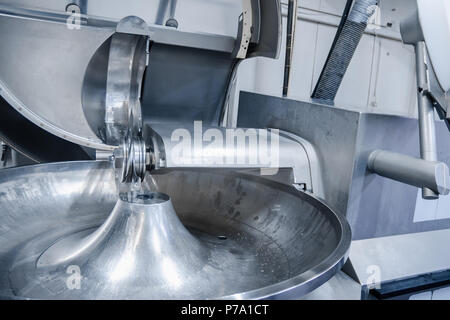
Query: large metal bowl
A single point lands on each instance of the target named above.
(279, 242)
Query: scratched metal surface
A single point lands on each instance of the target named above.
(279, 242)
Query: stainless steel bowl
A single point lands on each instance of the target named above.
(263, 239)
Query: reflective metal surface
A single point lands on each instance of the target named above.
(332, 131)
(142, 251)
(72, 72)
(57, 79)
(77, 71)
(111, 110)
(246, 237)
(284, 150)
(215, 17)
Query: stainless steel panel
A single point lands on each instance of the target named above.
(374, 206)
(378, 206)
(33, 141)
(44, 81)
(332, 131)
(215, 17)
(56, 76)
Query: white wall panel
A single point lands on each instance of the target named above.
(325, 36)
(380, 78)
(301, 83)
(393, 81)
(335, 7)
(310, 4)
(355, 87)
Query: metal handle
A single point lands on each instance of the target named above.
(432, 175)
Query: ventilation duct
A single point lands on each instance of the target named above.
(353, 24)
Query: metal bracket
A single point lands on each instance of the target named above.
(267, 29)
(249, 31)
(245, 30)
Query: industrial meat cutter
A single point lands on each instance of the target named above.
(146, 186)
(139, 220)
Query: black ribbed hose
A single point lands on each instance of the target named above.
(353, 24)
